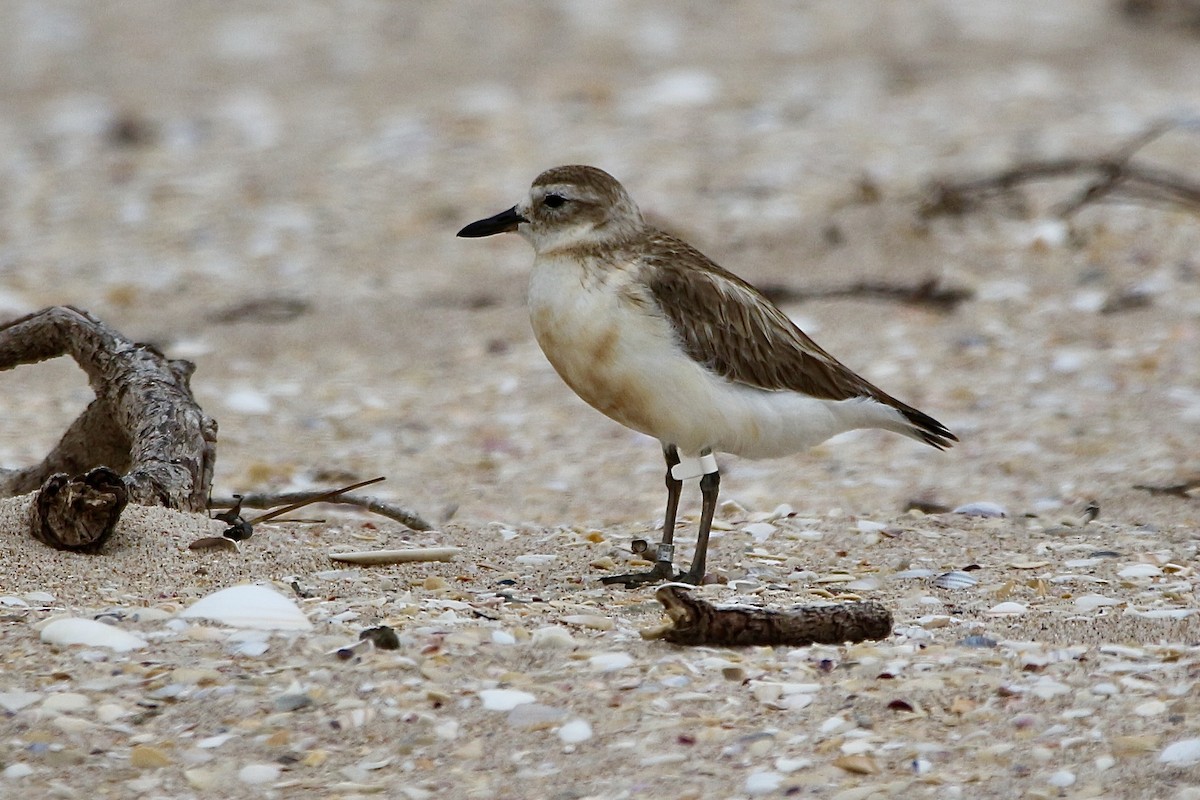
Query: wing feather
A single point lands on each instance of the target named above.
(728, 326)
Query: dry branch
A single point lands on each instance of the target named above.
(144, 424)
(697, 622)
(1112, 177)
(928, 293)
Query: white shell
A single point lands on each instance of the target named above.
(1183, 753)
(610, 662)
(1140, 571)
(1090, 602)
(982, 508)
(1009, 609)
(77, 630)
(504, 699)
(956, 579)
(249, 606)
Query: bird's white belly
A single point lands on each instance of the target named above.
(622, 358)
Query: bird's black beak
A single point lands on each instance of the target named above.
(503, 222)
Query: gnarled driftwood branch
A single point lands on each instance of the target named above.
(698, 622)
(144, 425)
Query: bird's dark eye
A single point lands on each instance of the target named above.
(554, 200)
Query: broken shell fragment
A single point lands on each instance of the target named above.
(410, 555)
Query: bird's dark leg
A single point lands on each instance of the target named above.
(710, 485)
(665, 556)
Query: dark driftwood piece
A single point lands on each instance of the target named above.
(1113, 176)
(143, 426)
(928, 293)
(697, 622)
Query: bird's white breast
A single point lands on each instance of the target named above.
(608, 341)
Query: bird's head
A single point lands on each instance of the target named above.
(567, 207)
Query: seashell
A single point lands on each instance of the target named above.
(955, 579)
(1184, 753)
(857, 764)
(76, 630)
(249, 606)
(610, 662)
(504, 699)
(1090, 602)
(1140, 571)
(255, 774)
(765, 782)
(1007, 609)
(982, 508)
(593, 621)
(909, 574)
(222, 542)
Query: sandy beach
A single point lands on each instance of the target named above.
(273, 191)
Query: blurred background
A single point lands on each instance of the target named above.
(272, 190)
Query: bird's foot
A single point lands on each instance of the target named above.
(661, 572)
(692, 576)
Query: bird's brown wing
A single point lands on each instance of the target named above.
(728, 326)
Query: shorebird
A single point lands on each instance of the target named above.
(650, 332)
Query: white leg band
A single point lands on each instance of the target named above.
(694, 466)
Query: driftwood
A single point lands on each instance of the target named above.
(1112, 176)
(144, 427)
(697, 622)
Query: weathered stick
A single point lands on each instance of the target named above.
(144, 423)
(698, 622)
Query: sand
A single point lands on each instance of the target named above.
(273, 194)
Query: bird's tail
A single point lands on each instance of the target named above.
(926, 429)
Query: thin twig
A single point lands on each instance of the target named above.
(1114, 178)
(371, 504)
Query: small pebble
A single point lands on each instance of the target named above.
(292, 702)
(758, 783)
(535, 716)
(16, 771)
(1062, 779)
(146, 757)
(255, 774)
(575, 731)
